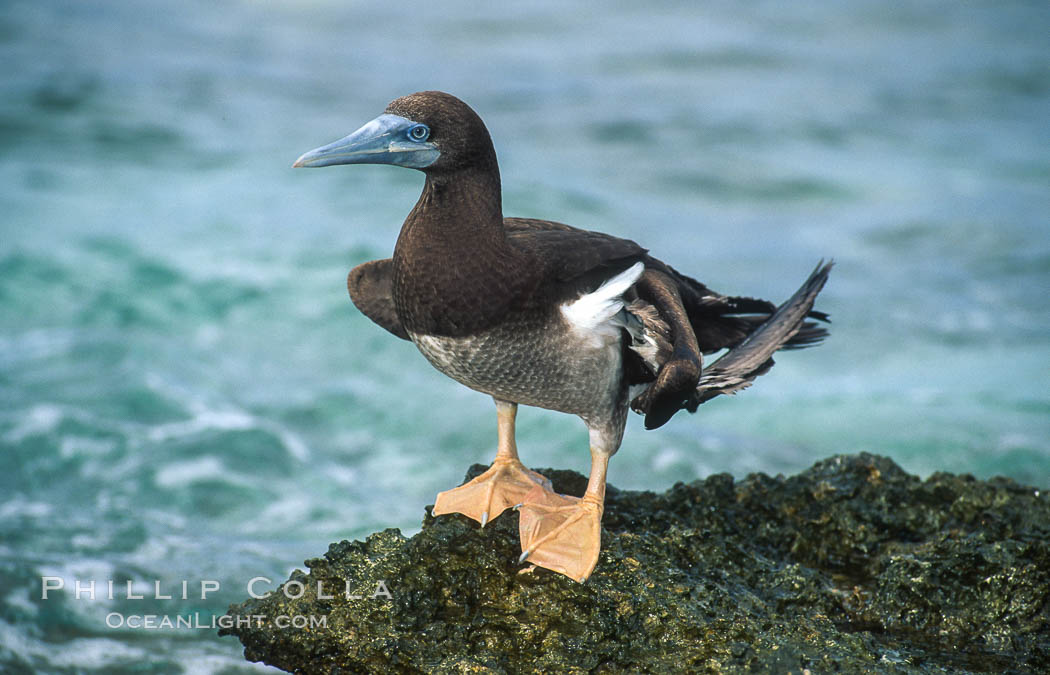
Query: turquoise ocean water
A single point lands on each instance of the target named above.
(187, 394)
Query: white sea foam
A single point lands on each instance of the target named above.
(181, 474)
(202, 664)
(229, 420)
(78, 568)
(21, 507)
(81, 446)
(342, 474)
(666, 458)
(207, 420)
(95, 652)
(40, 419)
(35, 345)
(286, 512)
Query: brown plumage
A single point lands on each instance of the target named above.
(541, 313)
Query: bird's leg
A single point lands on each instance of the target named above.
(505, 483)
(564, 533)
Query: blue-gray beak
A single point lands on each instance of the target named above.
(388, 139)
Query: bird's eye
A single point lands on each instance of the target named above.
(420, 132)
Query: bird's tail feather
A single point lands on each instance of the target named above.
(785, 328)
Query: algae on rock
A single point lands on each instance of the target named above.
(853, 565)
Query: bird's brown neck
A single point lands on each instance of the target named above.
(455, 274)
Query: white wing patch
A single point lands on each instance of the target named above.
(593, 314)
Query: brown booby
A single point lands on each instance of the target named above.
(539, 313)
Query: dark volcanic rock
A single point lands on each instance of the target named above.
(851, 566)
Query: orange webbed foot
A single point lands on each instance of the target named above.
(504, 484)
(561, 533)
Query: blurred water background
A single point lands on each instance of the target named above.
(186, 392)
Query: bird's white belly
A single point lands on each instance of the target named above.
(554, 372)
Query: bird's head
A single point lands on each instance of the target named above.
(431, 131)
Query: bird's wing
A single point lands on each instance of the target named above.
(572, 260)
(371, 287)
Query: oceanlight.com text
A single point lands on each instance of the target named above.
(211, 622)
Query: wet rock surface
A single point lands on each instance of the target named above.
(851, 566)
